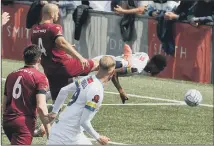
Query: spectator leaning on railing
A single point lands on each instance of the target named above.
(196, 12)
(157, 9)
(140, 9)
(202, 13)
(129, 8)
(181, 12)
(96, 5)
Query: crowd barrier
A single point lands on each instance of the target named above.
(101, 35)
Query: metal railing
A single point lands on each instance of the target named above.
(111, 13)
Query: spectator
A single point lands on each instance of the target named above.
(155, 7)
(202, 13)
(195, 10)
(34, 13)
(127, 22)
(164, 28)
(96, 5)
(5, 18)
(114, 4)
(181, 12)
(141, 8)
(101, 5)
(67, 4)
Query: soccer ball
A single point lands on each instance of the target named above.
(193, 97)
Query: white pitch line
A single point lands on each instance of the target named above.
(152, 98)
(146, 97)
(156, 98)
(133, 104)
(149, 104)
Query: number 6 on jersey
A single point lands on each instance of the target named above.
(18, 86)
(40, 44)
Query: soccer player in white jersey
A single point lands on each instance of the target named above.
(135, 64)
(87, 97)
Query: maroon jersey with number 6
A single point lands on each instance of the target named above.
(21, 88)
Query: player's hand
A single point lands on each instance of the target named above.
(123, 96)
(84, 62)
(51, 116)
(195, 24)
(154, 14)
(42, 2)
(5, 18)
(194, 21)
(119, 9)
(170, 16)
(142, 9)
(103, 140)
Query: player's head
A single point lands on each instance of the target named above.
(107, 67)
(156, 64)
(32, 55)
(50, 11)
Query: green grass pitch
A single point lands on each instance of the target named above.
(148, 124)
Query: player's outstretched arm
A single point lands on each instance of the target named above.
(85, 122)
(93, 101)
(69, 49)
(43, 111)
(116, 83)
(63, 94)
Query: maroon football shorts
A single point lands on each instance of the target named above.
(71, 68)
(20, 130)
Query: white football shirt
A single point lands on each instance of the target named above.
(86, 100)
(139, 60)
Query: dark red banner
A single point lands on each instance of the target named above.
(193, 45)
(193, 52)
(15, 35)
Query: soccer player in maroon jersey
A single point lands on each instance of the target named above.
(58, 65)
(24, 96)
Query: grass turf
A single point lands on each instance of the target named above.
(155, 124)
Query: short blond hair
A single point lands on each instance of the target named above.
(106, 63)
(49, 9)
